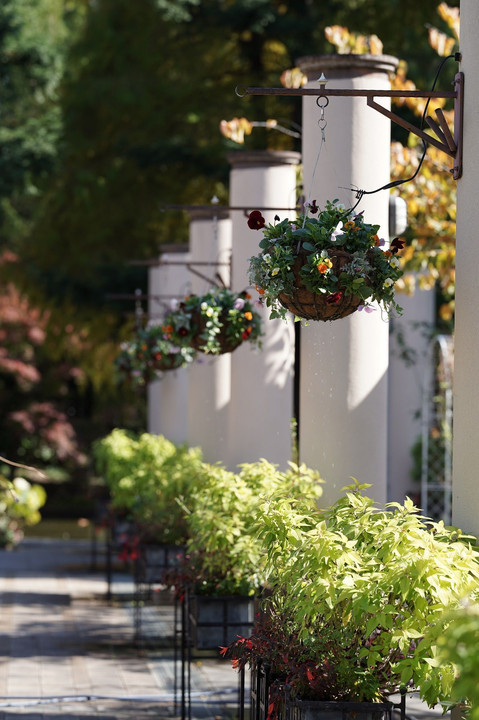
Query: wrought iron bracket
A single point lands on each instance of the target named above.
(451, 144)
(191, 267)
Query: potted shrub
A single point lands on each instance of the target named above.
(225, 565)
(148, 354)
(356, 597)
(215, 323)
(150, 478)
(323, 267)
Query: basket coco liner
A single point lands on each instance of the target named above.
(226, 345)
(320, 306)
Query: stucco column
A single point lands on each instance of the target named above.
(261, 381)
(465, 501)
(210, 375)
(167, 399)
(344, 364)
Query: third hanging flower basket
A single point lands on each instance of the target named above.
(215, 323)
(324, 267)
(147, 354)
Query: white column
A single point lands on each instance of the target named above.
(343, 395)
(167, 399)
(210, 376)
(261, 381)
(466, 384)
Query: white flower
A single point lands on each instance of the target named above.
(174, 304)
(209, 312)
(204, 305)
(275, 271)
(337, 231)
(388, 282)
(267, 258)
(395, 262)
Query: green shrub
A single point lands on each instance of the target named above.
(147, 475)
(364, 589)
(224, 553)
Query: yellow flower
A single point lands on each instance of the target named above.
(248, 315)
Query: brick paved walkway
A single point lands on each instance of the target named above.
(65, 652)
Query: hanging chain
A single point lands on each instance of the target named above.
(322, 122)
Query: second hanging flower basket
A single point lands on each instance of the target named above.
(324, 267)
(215, 323)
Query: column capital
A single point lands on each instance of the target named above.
(263, 158)
(338, 66)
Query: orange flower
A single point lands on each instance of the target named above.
(376, 240)
(349, 225)
(260, 290)
(248, 315)
(247, 296)
(322, 268)
(387, 253)
(168, 329)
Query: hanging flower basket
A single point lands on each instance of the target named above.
(148, 354)
(324, 267)
(311, 305)
(214, 323)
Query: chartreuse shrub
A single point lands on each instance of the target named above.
(20, 503)
(459, 645)
(224, 554)
(148, 476)
(360, 591)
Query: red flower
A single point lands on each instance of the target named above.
(334, 297)
(256, 221)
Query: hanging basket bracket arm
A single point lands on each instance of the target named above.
(444, 141)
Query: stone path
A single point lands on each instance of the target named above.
(65, 652)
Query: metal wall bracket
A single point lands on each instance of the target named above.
(191, 267)
(451, 144)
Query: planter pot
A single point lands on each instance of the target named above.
(320, 306)
(217, 620)
(225, 345)
(154, 559)
(259, 692)
(334, 710)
